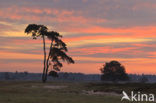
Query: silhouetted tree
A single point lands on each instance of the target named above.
(53, 74)
(6, 76)
(57, 50)
(65, 75)
(143, 79)
(113, 71)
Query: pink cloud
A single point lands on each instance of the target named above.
(94, 50)
(144, 5)
(144, 45)
(136, 32)
(152, 54)
(59, 15)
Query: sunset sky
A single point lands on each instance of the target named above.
(96, 31)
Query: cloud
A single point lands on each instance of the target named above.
(46, 15)
(101, 50)
(152, 54)
(95, 31)
(12, 55)
(106, 41)
(148, 31)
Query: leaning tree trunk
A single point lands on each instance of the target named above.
(47, 63)
(44, 68)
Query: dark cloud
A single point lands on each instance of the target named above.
(71, 14)
(116, 13)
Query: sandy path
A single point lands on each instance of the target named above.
(54, 87)
(101, 93)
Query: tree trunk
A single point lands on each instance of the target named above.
(44, 68)
(47, 63)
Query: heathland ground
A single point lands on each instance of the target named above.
(68, 92)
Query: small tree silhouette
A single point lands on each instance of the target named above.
(57, 50)
(143, 79)
(113, 71)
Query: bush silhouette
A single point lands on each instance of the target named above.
(53, 74)
(113, 71)
(143, 79)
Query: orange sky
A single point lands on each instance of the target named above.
(95, 32)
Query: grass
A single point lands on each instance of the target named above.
(128, 87)
(34, 92)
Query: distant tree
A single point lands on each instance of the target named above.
(53, 74)
(57, 49)
(143, 79)
(25, 73)
(113, 71)
(6, 76)
(65, 75)
(16, 72)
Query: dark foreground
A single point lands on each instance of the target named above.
(68, 92)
